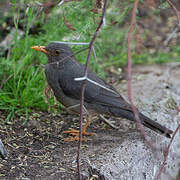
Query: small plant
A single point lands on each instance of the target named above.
(22, 78)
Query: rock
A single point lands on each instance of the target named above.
(128, 156)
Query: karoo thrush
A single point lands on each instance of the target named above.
(62, 69)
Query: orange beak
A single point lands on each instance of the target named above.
(40, 48)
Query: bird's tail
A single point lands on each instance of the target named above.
(155, 126)
(147, 122)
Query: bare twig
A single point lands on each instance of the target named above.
(84, 84)
(108, 122)
(175, 10)
(68, 25)
(38, 3)
(94, 53)
(70, 56)
(166, 154)
(78, 43)
(166, 42)
(129, 88)
(130, 76)
(71, 43)
(60, 3)
(104, 21)
(129, 67)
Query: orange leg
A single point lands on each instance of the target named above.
(75, 133)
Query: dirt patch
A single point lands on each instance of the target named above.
(37, 150)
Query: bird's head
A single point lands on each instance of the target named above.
(55, 51)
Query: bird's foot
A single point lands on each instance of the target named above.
(75, 133)
(76, 138)
(110, 123)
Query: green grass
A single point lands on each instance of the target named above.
(22, 71)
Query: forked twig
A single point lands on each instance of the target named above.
(175, 10)
(166, 154)
(130, 92)
(84, 84)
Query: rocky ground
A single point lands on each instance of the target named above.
(36, 150)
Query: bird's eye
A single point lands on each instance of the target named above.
(57, 52)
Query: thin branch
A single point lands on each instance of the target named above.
(166, 42)
(94, 53)
(110, 123)
(71, 43)
(60, 3)
(130, 76)
(175, 10)
(130, 92)
(78, 43)
(70, 56)
(84, 84)
(38, 3)
(166, 154)
(130, 68)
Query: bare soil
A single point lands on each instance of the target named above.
(37, 150)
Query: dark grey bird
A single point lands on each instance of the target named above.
(62, 69)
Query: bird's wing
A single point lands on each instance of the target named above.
(93, 93)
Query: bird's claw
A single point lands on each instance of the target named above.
(75, 133)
